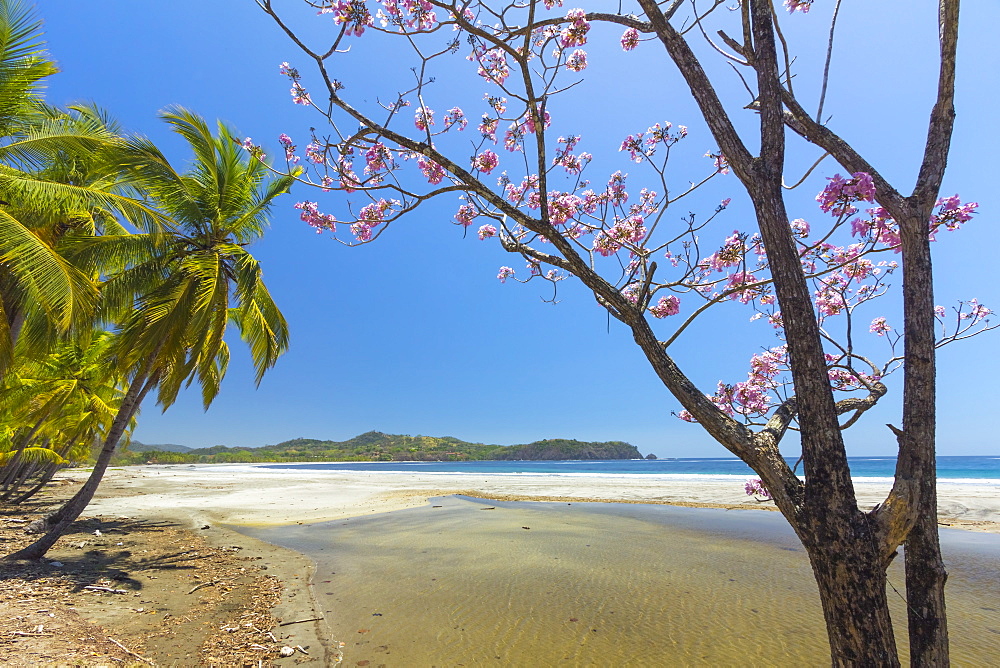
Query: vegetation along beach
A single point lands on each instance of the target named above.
(703, 291)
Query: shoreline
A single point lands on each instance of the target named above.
(238, 494)
(210, 503)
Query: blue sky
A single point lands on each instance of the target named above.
(414, 334)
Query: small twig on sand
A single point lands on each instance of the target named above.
(107, 589)
(30, 633)
(301, 621)
(299, 647)
(205, 584)
(131, 653)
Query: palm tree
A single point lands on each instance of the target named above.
(55, 410)
(55, 167)
(173, 301)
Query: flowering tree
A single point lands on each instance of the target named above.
(520, 175)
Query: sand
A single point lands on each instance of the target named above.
(241, 496)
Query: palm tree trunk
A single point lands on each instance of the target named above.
(65, 516)
(26, 473)
(45, 478)
(14, 466)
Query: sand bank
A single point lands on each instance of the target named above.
(240, 494)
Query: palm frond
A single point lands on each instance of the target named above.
(33, 455)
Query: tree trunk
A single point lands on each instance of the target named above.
(850, 574)
(925, 573)
(28, 470)
(45, 478)
(13, 468)
(66, 515)
(925, 580)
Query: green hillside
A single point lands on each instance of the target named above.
(560, 448)
(376, 446)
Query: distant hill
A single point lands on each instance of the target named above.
(376, 446)
(136, 446)
(559, 448)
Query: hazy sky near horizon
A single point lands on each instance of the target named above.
(413, 334)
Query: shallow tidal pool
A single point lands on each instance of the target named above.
(470, 582)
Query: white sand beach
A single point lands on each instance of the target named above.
(242, 494)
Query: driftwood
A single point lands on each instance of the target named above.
(131, 653)
(301, 621)
(205, 584)
(110, 590)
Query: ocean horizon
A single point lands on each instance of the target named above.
(950, 468)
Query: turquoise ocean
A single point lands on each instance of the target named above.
(949, 468)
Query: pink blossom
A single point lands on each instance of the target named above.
(423, 118)
(504, 274)
(377, 158)
(362, 231)
(754, 486)
(417, 14)
(879, 326)
(254, 150)
(577, 61)
(299, 94)
(740, 279)
(605, 245)
(838, 195)
(721, 164)
(499, 104)
(563, 207)
(951, 213)
(486, 161)
(633, 144)
(616, 188)
(488, 128)
(829, 302)
(493, 66)
(630, 39)
(512, 138)
(976, 311)
(286, 143)
(939, 311)
(529, 121)
(573, 164)
(432, 171)
(455, 117)
(631, 292)
(798, 5)
(487, 231)
(800, 228)
(312, 216)
(631, 230)
(352, 13)
(730, 255)
(466, 213)
(375, 212)
(667, 306)
(575, 34)
(348, 179)
(315, 153)
(661, 135)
